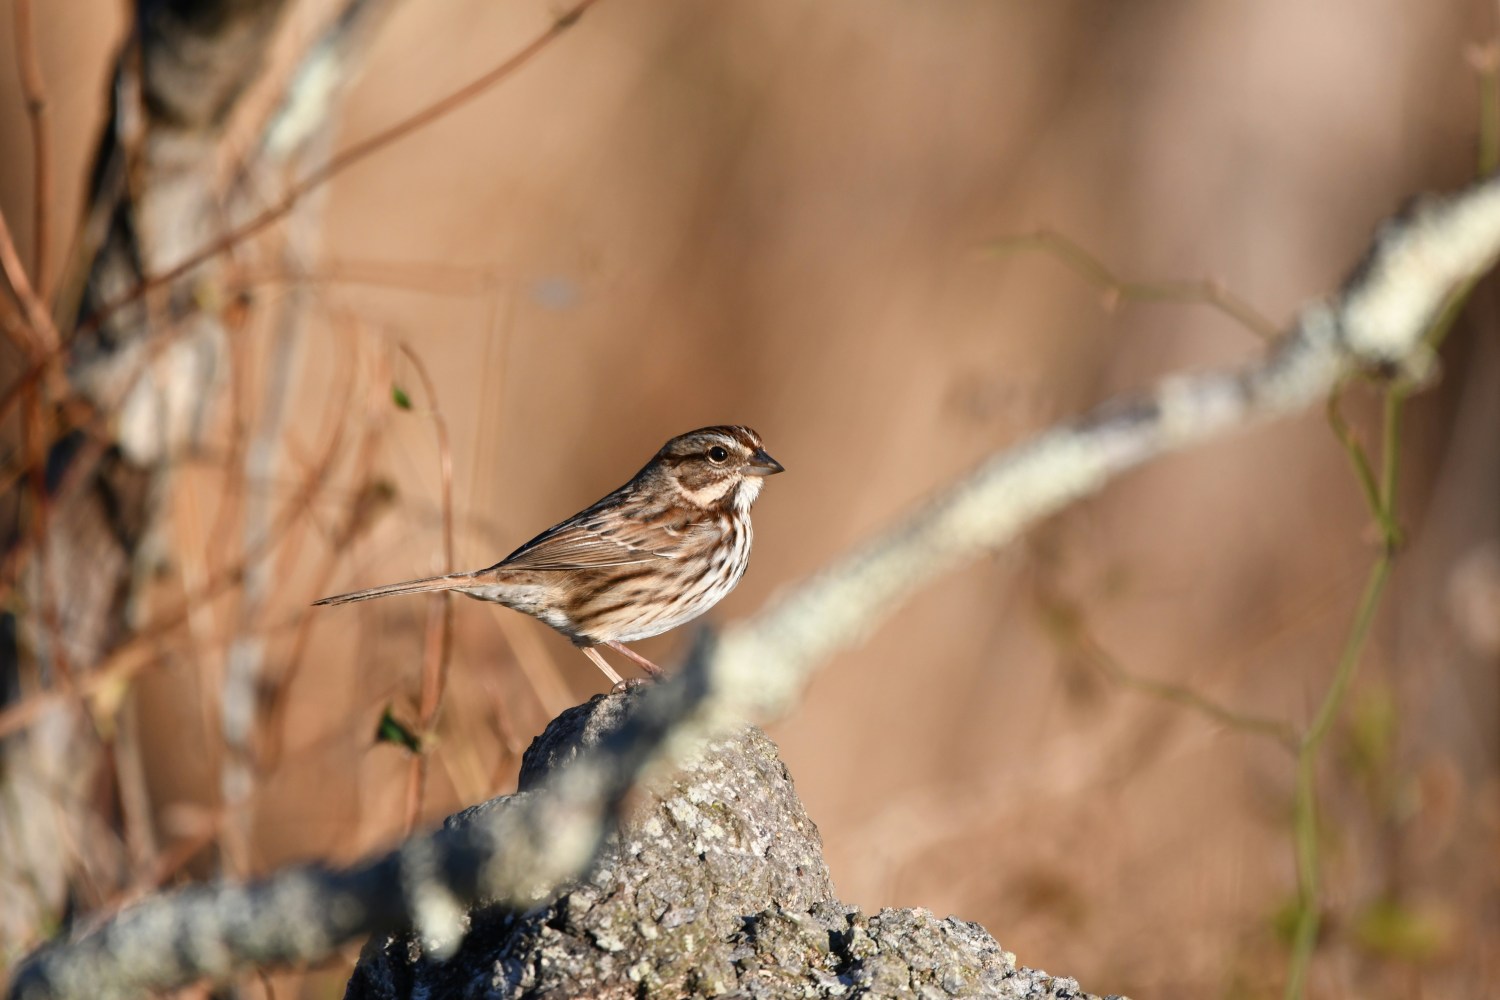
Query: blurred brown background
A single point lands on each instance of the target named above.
(776, 213)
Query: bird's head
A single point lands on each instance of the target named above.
(716, 467)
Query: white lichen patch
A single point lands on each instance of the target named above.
(1414, 267)
(606, 937)
(683, 812)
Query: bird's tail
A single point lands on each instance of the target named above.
(453, 581)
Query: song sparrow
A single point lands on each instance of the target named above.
(657, 552)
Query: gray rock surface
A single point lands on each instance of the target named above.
(714, 887)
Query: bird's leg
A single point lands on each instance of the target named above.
(651, 669)
(599, 662)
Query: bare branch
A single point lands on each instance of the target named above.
(34, 87)
(1097, 273)
(42, 339)
(439, 630)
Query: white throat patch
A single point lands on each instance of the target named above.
(749, 490)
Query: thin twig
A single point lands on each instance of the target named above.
(439, 610)
(1096, 272)
(1305, 811)
(359, 511)
(231, 457)
(421, 277)
(357, 517)
(1380, 495)
(41, 340)
(1276, 730)
(1359, 459)
(1067, 625)
(34, 88)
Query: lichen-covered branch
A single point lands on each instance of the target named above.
(756, 669)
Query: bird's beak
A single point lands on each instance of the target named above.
(762, 464)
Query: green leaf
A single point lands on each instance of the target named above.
(400, 398)
(392, 730)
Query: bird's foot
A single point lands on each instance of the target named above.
(652, 670)
(603, 665)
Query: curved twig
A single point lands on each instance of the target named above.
(439, 631)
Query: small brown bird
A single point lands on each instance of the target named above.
(657, 552)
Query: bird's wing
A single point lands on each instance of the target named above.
(598, 538)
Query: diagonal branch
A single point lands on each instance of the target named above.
(757, 668)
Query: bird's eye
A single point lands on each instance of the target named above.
(717, 454)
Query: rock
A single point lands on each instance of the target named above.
(714, 887)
